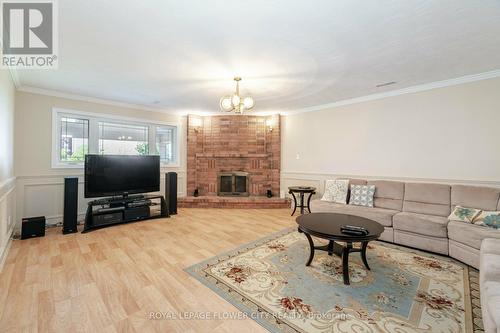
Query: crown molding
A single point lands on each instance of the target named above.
(60, 94)
(408, 90)
(361, 99)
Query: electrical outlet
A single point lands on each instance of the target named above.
(297, 156)
(9, 221)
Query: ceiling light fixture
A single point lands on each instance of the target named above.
(235, 102)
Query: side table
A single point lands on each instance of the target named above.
(301, 190)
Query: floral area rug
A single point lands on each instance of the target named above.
(405, 291)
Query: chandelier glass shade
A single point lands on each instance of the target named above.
(235, 102)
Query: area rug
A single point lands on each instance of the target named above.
(405, 291)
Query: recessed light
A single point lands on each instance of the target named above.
(385, 84)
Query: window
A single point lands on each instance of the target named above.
(76, 134)
(122, 139)
(74, 139)
(165, 143)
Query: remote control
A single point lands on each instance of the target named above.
(354, 230)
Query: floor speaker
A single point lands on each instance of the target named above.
(70, 205)
(171, 192)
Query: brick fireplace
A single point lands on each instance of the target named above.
(233, 144)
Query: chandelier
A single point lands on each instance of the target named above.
(235, 102)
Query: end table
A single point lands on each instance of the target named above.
(301, 190)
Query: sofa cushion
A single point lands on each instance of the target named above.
(484, 198)
(488, 219)
(464, 214)
(356, 181)
(431, 199)
(470, 234)
(490, 267)
(362, 195)
(490, 302)
(320, 206)
(380, 215)
(388, 194)
(429, 225)
(336, 191)
(491, 246)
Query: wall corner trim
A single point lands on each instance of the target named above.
(6, 186)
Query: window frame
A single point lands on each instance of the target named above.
(93, 139)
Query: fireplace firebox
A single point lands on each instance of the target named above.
(233, 184)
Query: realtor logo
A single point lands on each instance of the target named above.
(29, 31)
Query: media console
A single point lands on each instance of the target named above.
(115, 210)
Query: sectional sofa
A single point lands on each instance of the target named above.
(416, 215)
(489, 280)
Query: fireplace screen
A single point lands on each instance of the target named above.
(233, 184)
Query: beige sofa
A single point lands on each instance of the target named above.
(489, 280)
(416, 215)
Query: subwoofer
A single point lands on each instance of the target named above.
(33, 227)
(171, 192)
(70, 205)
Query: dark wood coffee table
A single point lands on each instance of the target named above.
(327, 226)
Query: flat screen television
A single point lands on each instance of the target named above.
(113, 175)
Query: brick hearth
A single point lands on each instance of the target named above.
(232, 202)
(233, 143)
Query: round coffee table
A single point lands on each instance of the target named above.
(327, 226)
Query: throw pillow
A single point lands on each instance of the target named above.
(336, 191)
(362, 195)
(488, 219)
(464, 214)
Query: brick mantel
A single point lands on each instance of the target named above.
(233, 143)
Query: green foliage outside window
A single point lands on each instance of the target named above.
(142, 148)
(77, 156)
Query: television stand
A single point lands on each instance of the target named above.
(116, 210)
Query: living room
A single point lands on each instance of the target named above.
(264, 166)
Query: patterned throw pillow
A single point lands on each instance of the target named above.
(336, 191)
(464, 214)
(362, 195)
(488, 219)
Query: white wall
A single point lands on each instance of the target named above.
(449, 134)
(39, 186)
(7, 179)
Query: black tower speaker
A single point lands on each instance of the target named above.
(33, 227)
(171, 192)
(70, 205)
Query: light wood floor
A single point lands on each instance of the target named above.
(111, 279)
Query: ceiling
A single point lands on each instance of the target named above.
(182, 55)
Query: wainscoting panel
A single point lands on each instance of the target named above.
(292, 181)
(44, 196)
(7, 216)
(318, 180)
